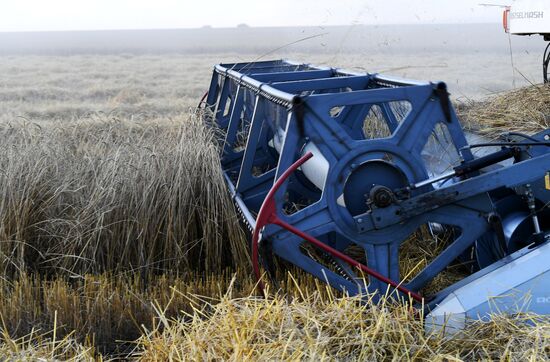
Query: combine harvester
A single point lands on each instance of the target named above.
(321, 162)
(530, 17)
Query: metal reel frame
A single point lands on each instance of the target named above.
(284, 108)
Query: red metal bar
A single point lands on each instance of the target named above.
(268, 215)
(346, 258)
(202, 99)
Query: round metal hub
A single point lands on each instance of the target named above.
(363, 178)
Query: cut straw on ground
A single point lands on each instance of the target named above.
(524, 110)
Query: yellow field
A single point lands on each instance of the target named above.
(117, 238)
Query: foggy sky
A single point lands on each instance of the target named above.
(41, 15)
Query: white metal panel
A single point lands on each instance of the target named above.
(529, 17)
(519, 284)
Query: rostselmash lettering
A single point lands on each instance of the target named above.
(527, 15)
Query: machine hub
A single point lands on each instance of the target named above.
(374, 180)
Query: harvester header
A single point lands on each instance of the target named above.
(333, 171)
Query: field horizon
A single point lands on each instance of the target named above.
(475, 60)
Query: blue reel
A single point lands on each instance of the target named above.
(385, 157)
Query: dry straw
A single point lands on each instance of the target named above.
(524, 110)
(108, 195)
(319, 326)
(107, 311)
(41, 347)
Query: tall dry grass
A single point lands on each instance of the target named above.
(141, 205)
(113, 195)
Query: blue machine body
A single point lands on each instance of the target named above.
(389, 157)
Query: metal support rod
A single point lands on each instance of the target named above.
(430, 181)
(532, 208)
(471, 166)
